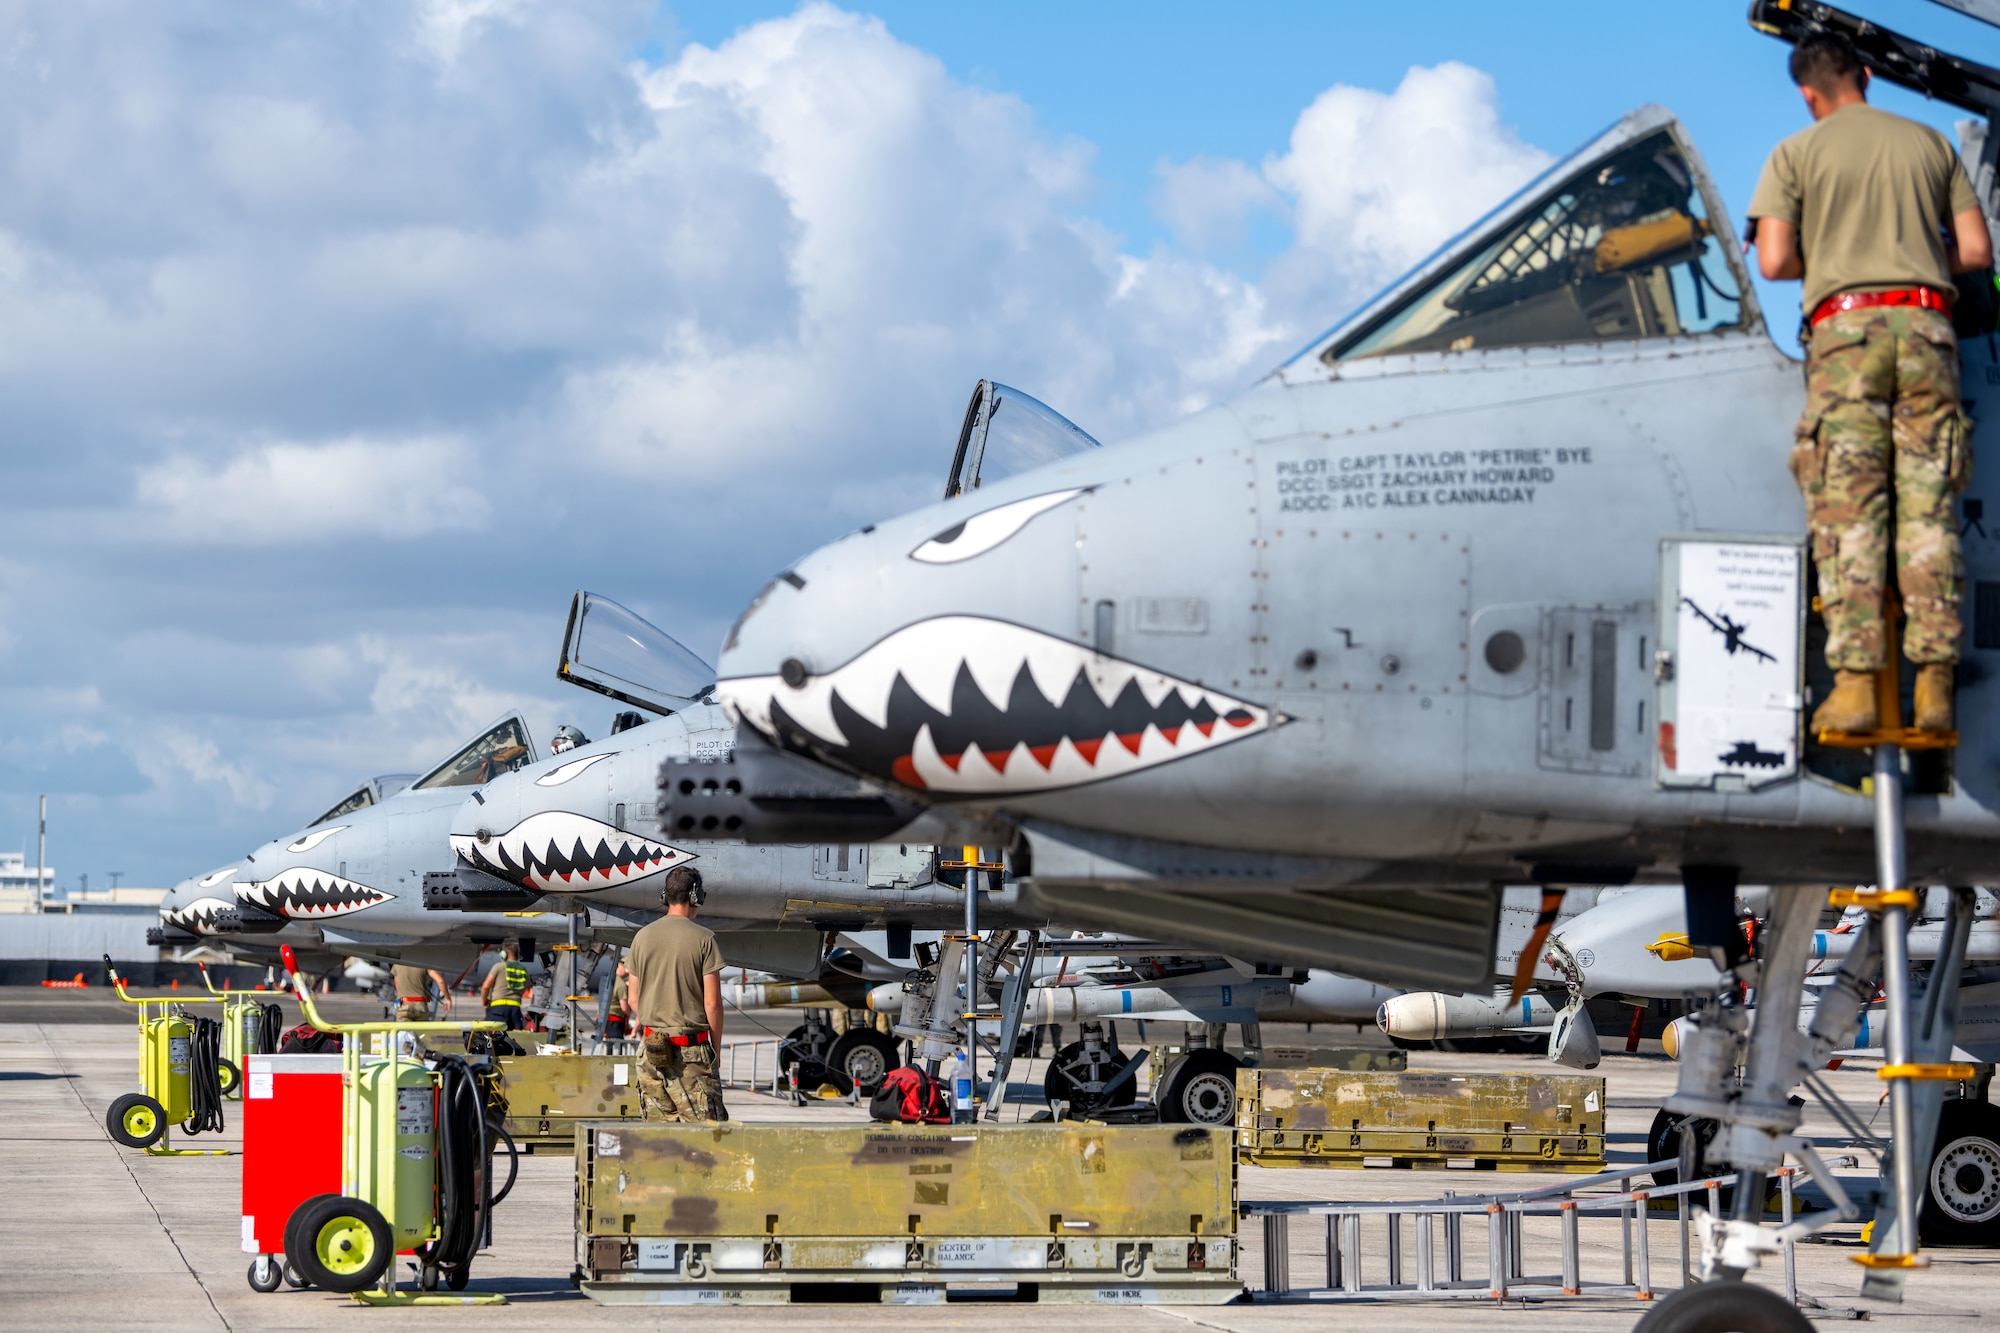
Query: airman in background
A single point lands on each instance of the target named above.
(413, 1001)
(1875, 213)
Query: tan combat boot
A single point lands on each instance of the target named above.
(1851, 706)
(1934, 696)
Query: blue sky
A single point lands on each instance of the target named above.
(341, 342)
(1142, 82)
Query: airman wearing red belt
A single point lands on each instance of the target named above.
(1875, 213)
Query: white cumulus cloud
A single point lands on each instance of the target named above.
(288, 492)
(340, 343)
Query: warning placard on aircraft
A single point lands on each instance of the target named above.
(1731, 626)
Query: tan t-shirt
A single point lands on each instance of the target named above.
(1868, 192)
(412, 983)
(668, 960)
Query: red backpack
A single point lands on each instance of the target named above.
(911, 1096)
(305, 1039)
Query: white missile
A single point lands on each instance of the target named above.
(1436, 1016)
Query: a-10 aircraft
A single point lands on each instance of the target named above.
(498, 842)
(1454, 597)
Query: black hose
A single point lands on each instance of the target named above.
(465, 1185)
(204, 1078)
(513, 1161)
(270, 1029)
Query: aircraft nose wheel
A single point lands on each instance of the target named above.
(1961, 1203)
(1724, 1307)
(863, 1057)
(1075, 1077)
(1199, 1088)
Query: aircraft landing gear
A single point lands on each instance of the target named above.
(1738, 1067)
(1731, 1307)
(1086, 1073)
(1962, 1188)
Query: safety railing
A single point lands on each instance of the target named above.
(1505, 1217)
(760, 1079)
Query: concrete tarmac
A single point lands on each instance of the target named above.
(98, 1236)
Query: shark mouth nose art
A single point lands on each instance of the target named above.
(964, 704)
(561, 852)
(306, 894)
(198, 916)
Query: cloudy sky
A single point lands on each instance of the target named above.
(341, 340)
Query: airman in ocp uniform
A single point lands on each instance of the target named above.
(674, 987)
(413, 1001)
(1875, 213)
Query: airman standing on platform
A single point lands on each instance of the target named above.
(1876, 213)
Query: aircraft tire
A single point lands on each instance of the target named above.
(1663, 1140)
(1199, 1088)
(864, 1057)
(1724, 1307)
(1961, 1203)
(1068, 1072)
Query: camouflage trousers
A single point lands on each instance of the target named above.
(413, 1011)
(1880, 451)
(679, 1082)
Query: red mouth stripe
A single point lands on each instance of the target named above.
(1043, 755)
(905, 769)
(1130, 740)
(1089, 749)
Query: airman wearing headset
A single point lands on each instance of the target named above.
(675, 992)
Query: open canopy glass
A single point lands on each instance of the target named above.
(618, 652)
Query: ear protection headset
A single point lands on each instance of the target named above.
(697, 895)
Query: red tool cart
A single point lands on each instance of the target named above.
(291, 1152)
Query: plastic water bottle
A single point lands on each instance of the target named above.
(961, 1090)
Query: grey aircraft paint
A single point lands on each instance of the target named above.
(1390, 620)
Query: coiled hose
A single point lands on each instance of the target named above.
(465, 1172)
(204, 1078)
(270, 1027)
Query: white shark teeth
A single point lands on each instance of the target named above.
(559, 851)
(197, 916)
(307, 894)
(1101, 742)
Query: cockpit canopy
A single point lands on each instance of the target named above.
(1621, 246)
(367, 794)
(618, 652)
(1006, 432)
(501, 748)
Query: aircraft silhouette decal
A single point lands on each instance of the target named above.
(968, 704)
(1731, 632)
(1746, 754)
